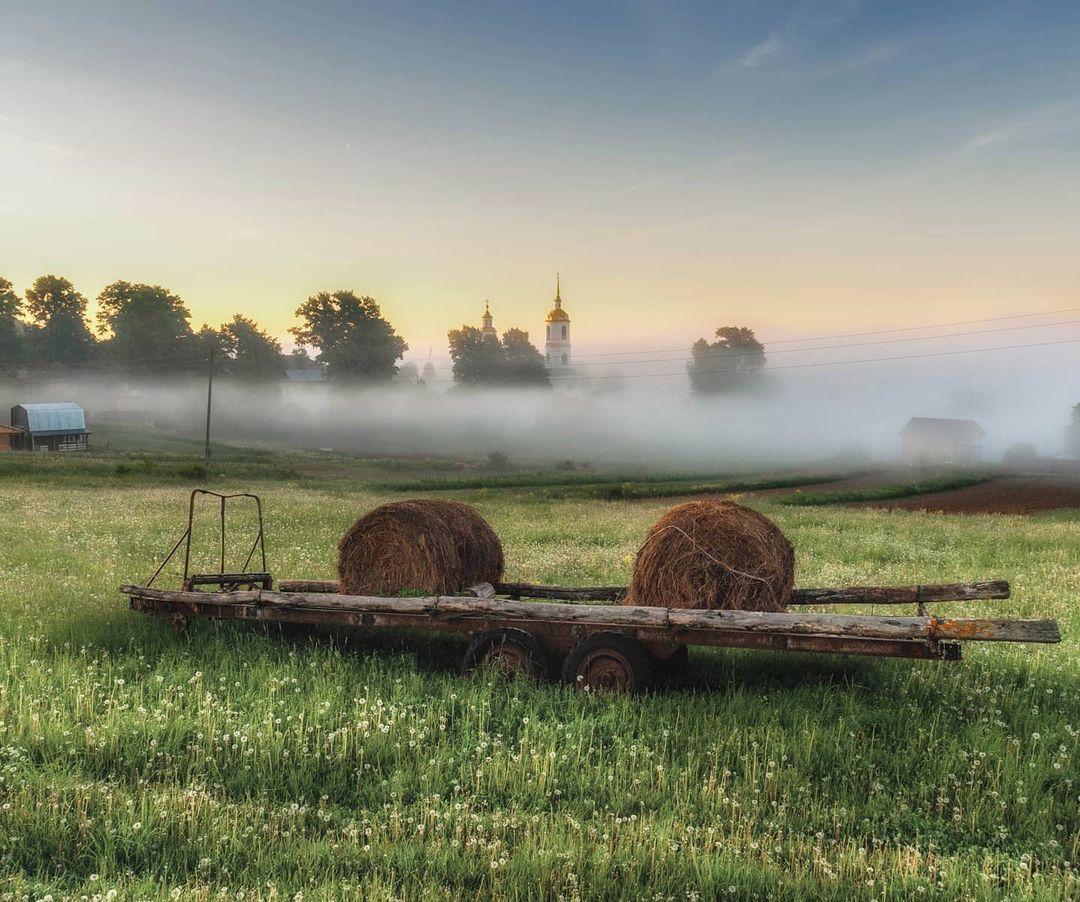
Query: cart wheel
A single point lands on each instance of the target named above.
(609, 662)
(178, 622)
(674, 665)
(507, 651)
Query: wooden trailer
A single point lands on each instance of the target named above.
(581, 633)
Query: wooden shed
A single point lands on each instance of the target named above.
(937, 440)
(9, 435)
(50, 426)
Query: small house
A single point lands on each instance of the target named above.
(8, 437)
(54, 426)
(936, 440)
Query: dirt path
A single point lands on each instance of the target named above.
(1005, 495)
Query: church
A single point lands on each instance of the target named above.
(557, 335)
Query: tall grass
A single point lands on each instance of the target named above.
(228, 760)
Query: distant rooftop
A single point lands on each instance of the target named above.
(49, 418)
(941, 427)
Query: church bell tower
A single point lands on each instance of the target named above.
(557, 340)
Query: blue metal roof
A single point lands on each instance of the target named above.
(54, 418)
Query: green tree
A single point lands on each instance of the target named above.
(12, 338)
(204, 341)
(478, 359)
(353, 339)
(147, 326)
(59, 312)
(1072, 435)
(252, 353)
(525, 364)
(734, 361)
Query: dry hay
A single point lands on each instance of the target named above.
(430, 546)
(713, 554)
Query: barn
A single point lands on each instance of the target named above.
(936, 440)
(52, 426)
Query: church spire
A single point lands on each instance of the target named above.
(558, 292)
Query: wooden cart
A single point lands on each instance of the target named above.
(572, 633)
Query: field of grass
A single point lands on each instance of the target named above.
(943, 483)
(229, 763)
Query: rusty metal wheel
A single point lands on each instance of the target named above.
(609, 662)
(509, 652)
(178, 622)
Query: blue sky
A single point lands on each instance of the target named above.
(795, 166)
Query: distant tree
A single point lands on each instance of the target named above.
(524, 363)
(480, 359)
(146, 326)
(1021, 454)
(204, 341)
(732, 362)
(12, 338)
(59, 312)
(477, 358)
(429, 374)
(251, 352)
(298, 359)
(354, 340)
(1072, 436)
(408, 374)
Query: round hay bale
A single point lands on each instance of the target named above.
(430, 546)
(713, 554)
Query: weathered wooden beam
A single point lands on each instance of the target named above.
(851, 595)
(620, 617)
(309, 585)
(567, 593)
(998, 588)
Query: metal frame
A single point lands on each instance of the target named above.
(221, 578)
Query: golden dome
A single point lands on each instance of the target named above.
(558, 315)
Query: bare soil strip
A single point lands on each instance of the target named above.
(1005, 495)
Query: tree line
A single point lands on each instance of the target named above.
(142, 329)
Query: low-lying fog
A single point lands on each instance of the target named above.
(795, 415)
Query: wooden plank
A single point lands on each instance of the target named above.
(849, 595)
(921, 594)
(441, 608)
(309, 585)
(903, 594)
(562, 640)
(567, 593)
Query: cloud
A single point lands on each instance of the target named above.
(1044, 121)
(761, 54)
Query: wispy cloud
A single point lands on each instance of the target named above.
(800, 30)
(763, 53)
(1044, 121)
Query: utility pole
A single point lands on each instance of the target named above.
(209, 400)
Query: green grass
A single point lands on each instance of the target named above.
(942, 483)
(627, 491)
(226, 760)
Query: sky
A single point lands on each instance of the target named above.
(803, 168)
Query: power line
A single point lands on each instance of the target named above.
(799, 366)
(776, 341)
(734, 352)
